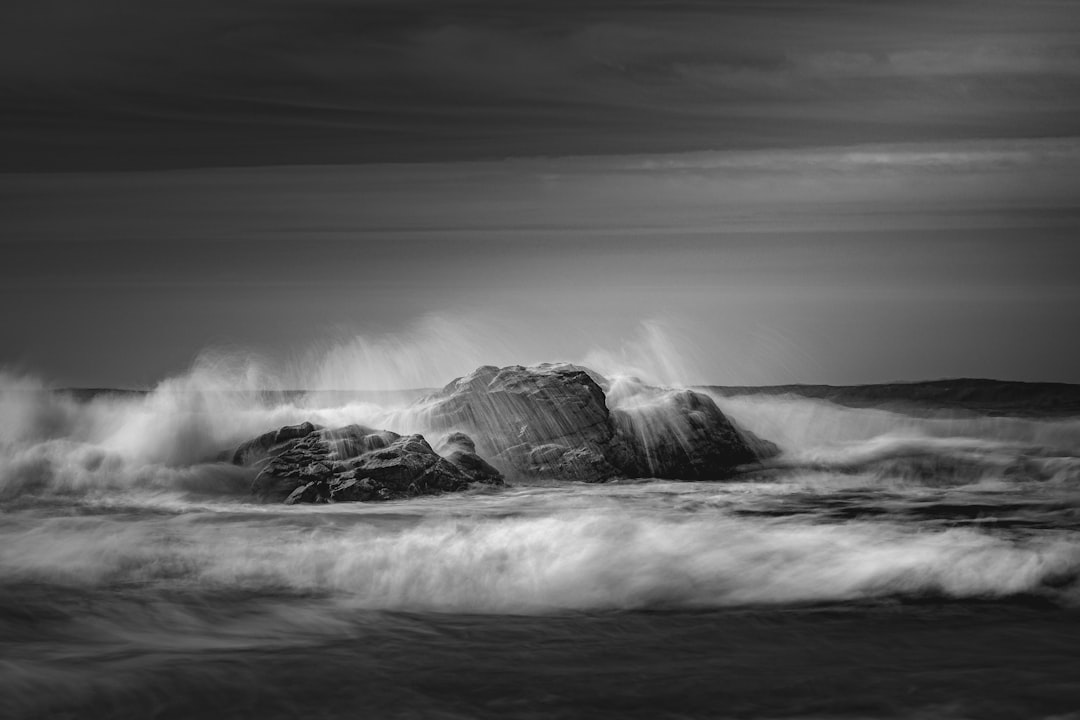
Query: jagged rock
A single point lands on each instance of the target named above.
(409, 466)
(354, 463)
(554, 421)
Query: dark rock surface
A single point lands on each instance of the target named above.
(305, 463)
(549, 422)
(460, 450)
(681, 434)
(544, 421)
(552, 421)
(271, 444)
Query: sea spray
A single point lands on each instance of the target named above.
(801, 424)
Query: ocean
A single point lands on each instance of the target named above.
(893, 562)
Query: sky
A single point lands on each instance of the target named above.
(368, 193)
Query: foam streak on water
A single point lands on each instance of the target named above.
(566, 553)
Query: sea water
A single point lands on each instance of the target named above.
(886, 565)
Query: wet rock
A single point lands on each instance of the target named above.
(460, 451)
(309, 493)
(555, 421)
(680, 435)
(549, 421)
(356, 463)
(513, 410)
(408, 467)
(456, 442)
(353, 489)
(271, 444)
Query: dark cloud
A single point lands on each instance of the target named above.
(121, 83)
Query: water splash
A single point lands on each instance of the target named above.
(659, 354)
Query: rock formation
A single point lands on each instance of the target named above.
(549, 422)
(679, 434)
(546, 421)
(306, 463)
(554, 421)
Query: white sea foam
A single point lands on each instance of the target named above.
(575, 559)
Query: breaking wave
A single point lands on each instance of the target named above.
(567, 560)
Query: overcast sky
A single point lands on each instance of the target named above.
(768, 191)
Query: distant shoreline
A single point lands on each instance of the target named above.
(975, 395)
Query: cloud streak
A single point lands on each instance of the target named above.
(125, 84)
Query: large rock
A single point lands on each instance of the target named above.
(554, 421)
(679, 434)
(305, 463)
(548, 420)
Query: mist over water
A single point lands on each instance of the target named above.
(139, 578)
